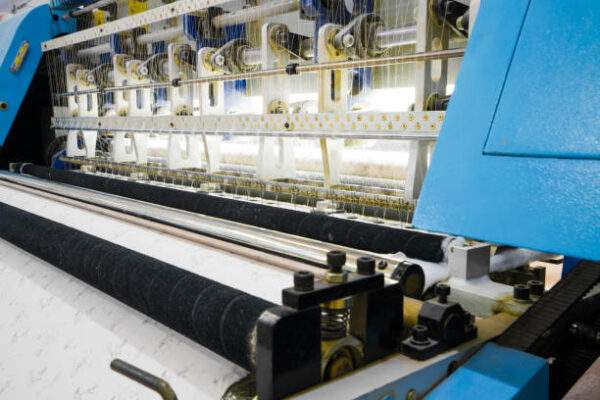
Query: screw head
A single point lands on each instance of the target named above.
(365, 265)
(419, 334)
(442, 291)
(304, 281)
(219, 60)
(348, 40)
(536, 287)
(336, 259)
(521, 292)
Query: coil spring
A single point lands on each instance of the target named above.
(334, 323)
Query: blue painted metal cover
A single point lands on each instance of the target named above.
(497, 372)
(35, 27)
(517, 158)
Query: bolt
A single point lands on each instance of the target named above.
(419, 334)
(282, 37)
(365, 265)
(348, 40)
(143, 71)
(442, 291)
(3, 105)
(521, 292)
(336, 259)
(536, 287)
(219, 60)
(382, 264)
(304, 281)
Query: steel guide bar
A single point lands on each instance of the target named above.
(423, 125)
(366, 63)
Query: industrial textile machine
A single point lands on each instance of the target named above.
(315, 199)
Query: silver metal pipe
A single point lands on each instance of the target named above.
(94, 50)
(300, 69)
(251, 56)
(310, 250)
(86, 9)
(402, 35)
(268, 9)
(307, 49)
(160, 35)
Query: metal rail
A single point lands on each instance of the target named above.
(300, 69)
(300, 248)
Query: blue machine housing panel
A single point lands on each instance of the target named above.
(497, 372)
(547, 198)
(549, 103)
(34, 26)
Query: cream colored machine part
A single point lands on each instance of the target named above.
(275, 155)
(333, 89)
(212, 102)
(82, 106)
(139, 105)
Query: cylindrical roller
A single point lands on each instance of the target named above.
(268, 9)
(216, 316)
(160, 35)
(94, 50)
(87, 9)
(251, 56)
(343, 232)
(402, 35)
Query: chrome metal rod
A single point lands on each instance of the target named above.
(298, 247)
(160, 35)
(268, 9)
(87, 9)
(371, 62)
(251, 56)
(95, 50)
(255, 133)
(402, 35)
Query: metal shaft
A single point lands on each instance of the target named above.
(300, 248)
(95, 50)
(372, 62)
(160, 35)
(251, 56)
(402, 35)
(86, 9)
(268, 9)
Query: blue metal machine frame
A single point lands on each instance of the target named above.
(35, 27)
(497, 372)
(517, 161)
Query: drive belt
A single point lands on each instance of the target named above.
(551, 307)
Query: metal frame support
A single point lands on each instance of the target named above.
(431, 77)
(272, 164)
